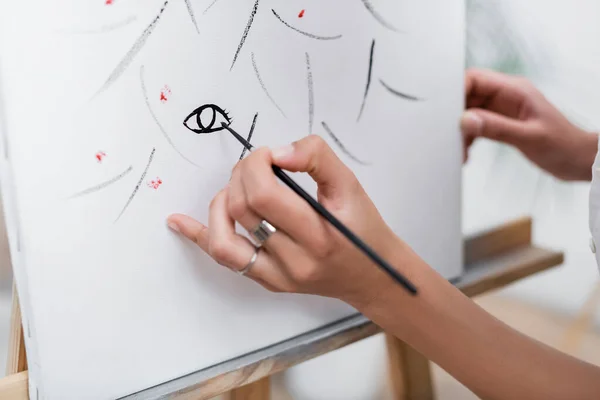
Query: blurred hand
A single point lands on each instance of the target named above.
(305, 255)
(511, 110)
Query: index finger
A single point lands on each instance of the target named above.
(278, 204)
(494, 91)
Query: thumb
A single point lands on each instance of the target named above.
(314, 156)
(483, 123)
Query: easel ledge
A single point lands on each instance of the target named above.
(493, 259)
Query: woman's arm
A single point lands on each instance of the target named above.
(511, 110)
(306, 255)
(486, 355)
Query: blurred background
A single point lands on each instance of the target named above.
(554, 44)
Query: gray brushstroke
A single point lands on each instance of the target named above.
(192, 15)
(210, 6)
(399, 94)
(246, 32)
(102, 185)
(311, 95)
(155, 118)
(310, 35)
(264, 87)
(379, 17)
(137, 187)
(103, 29)
(249, 138)
(341, 145)
(369, 78)
(138, 45)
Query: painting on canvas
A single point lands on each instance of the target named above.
(112, 115)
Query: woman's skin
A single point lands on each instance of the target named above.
(307, 256)
(511, 110)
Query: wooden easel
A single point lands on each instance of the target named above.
(493, 259)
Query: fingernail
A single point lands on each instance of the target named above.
(174, 227)
(472, 122)
(283, 152)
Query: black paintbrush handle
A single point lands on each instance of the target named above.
(344, 230)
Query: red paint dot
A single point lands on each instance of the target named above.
(100, 156)
(108, 2)
(164, 94)
(299, 15)
(155, 183)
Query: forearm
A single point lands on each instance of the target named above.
(584, 155)
(490, 358)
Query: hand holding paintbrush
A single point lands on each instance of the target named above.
(323, 212)
(303, 254)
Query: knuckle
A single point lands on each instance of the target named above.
(323, 249)
(219, 251)
(316, 142)
(261, 198)
(306, 275)
(215, 201)
(237, 208)
(201, 236)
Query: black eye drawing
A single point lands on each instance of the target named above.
(206, 119)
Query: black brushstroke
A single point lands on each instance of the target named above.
(155, 118)
(192, 15)
(311, 95)
(399, 94)
(134, 51)
(213, 126)
(369, 77)
(310, 35)
(264, 87)
(249, 138)
(378, 16)
(246, 32)
(210, 6)
(103, 185)
(102, 29)
(341, 145)
(137, 187)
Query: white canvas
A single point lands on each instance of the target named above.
(96, 155)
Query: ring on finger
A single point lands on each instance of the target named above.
(263, 231)
(248, 267)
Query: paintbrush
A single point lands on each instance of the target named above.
(362, 246)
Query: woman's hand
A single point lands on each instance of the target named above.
(511, 110)
(305, 255)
